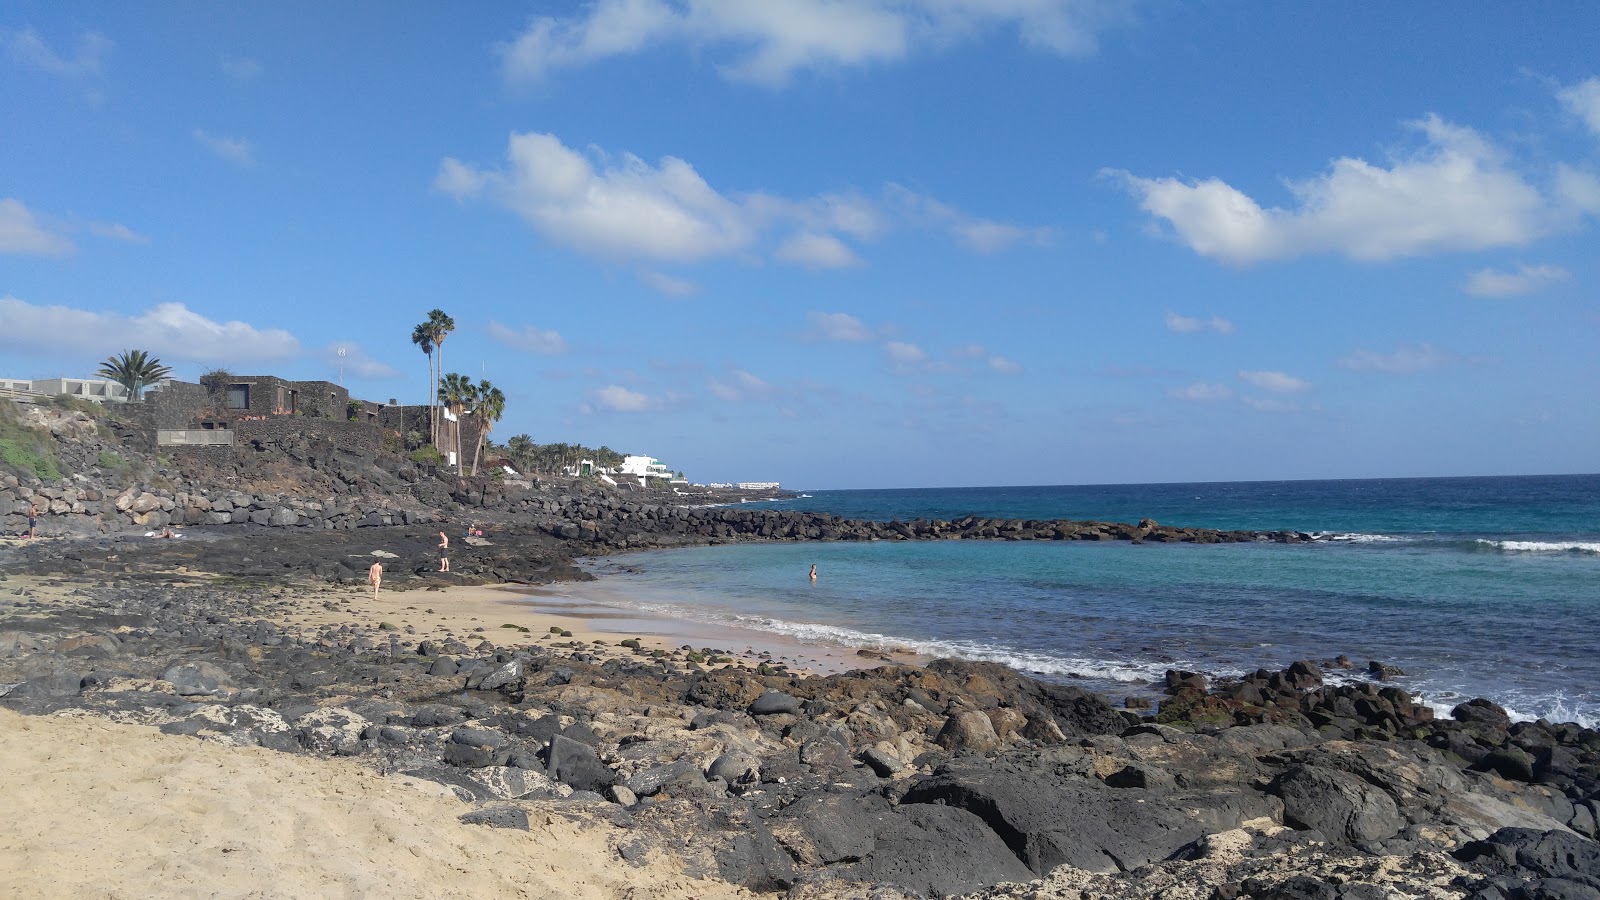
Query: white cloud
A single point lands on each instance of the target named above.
(1200, 392)
(1525, 280)
(982, 235)
(28, 50)
(626, 208)
(839, 327)
(20, 232)
(616, 398)
(1269, 404)
(817, 251)
(629, 209)
(738, 386)
(169, 330)
(1004, 366)
(1187, 325)
(117, 232)
(666, 284)
(1276, 382)
(1583, 100)
(240, 68)
(1456, 193)
(355, 361)
(1404, 361)
(904, 356)
(769, 41)
(235, 150)
(528, 338)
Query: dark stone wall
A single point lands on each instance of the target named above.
(356, 437)
(176, 404)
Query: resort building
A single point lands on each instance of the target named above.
(645, 468)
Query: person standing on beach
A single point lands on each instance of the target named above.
(813, 571)
(444, 552)
(375, 575)
(33, 515)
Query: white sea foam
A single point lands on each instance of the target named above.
(1022, 660)
(1357, 537)
(1542, 546)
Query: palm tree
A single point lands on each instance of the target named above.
(423, 338)
(491, 405)
(439, 327)
(456, 392)
(521, 449)
(133, 370)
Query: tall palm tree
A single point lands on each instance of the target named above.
(457, 393)
(133, 370)
(423, 338)
(521, 449)
(439, 327)
(491, 405)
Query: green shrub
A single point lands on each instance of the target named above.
(26, 457)
(111, 461)
(427, 456)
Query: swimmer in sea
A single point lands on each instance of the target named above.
(813, 571)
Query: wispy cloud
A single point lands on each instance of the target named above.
(1457, 192)
(1403, 361)
(982, 235)
(117, 232)
(838, 327)
(235, 150)
(1276, 382)
(1524, 280)
(1201, 392)
(1583, 100)
(355, 361)
(904, 356)
(817, 251)
(624, 208)
(666, 284)
(529, 338)
(618, 399)
(768, 43)
(1187, 325)
(169, 330)
(27, 49)
(739, 386)
(22, 233)
(239, 68)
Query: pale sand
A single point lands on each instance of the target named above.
(477, 613)
(95, 809)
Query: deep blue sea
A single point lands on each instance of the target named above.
(1474, 586)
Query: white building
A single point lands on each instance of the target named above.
(644, 467)
(97, 389)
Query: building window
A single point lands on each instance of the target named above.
(238, 396)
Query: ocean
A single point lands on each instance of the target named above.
(1476, 587)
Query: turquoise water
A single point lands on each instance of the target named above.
(1476, 587)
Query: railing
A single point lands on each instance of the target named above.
(195, 437)
(22, 395)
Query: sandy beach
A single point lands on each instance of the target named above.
(122, 811)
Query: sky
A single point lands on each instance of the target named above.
(842, 243)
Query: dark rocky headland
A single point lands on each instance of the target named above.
(895, 781)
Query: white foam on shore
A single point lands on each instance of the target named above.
(1357, 537)
(1542, 546)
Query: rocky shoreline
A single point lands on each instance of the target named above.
(898, 781)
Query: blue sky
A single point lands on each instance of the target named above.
(842, 244)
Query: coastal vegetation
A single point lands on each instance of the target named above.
(428, 336)
(134, 369)
(25, 450)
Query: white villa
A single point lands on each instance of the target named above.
(644, 467)
(99, 390)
